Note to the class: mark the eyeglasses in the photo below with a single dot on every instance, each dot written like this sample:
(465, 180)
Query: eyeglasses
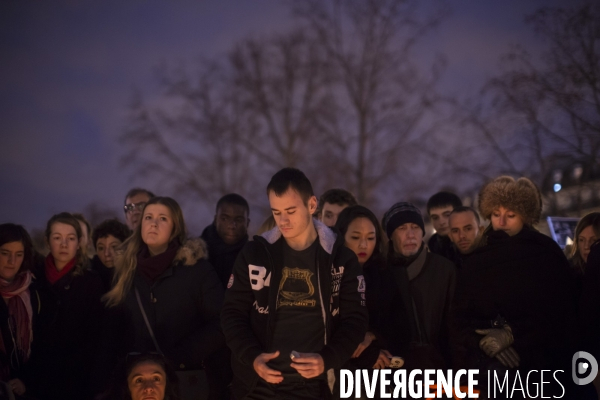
(134, 206)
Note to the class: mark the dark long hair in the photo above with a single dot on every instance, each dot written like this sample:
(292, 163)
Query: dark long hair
(16, 233)
(119, 388)
(349, 214)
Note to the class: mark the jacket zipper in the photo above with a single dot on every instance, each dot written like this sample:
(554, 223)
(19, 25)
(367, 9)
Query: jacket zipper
(323, 313)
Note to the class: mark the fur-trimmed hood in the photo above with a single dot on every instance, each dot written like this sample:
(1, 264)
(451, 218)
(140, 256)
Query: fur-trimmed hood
(521, 196)
(326, 236)
(188, 254)
(191, 251)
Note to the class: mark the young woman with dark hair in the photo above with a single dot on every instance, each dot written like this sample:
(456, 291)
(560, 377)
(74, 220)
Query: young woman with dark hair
(166, 296)
(107, 239)
(362, 234)
(19, 309)
(70, 315)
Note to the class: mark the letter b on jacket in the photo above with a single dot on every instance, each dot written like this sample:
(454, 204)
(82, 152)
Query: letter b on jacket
(257, 277)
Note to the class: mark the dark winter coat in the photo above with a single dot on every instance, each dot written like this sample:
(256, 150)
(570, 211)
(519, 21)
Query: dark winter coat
(182, 307)
(414, 323)
(105, 273)
(17, 369)
(443, 246)
(378, 296)
(66, 336)
(248, 318)
(589, 311)
(524, 279)
(220, 254)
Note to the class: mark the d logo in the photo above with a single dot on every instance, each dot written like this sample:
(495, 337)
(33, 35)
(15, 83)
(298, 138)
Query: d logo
(584, 363)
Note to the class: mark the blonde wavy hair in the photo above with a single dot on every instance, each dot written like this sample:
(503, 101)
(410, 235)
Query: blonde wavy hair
(81, 260)
(126, 261)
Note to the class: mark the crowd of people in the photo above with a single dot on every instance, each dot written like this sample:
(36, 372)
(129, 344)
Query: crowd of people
(323, 286)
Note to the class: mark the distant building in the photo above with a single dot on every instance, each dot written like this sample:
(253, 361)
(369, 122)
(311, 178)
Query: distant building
(572, 189)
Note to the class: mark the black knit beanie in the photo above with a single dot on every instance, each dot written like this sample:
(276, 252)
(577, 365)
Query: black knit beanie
(400, 214)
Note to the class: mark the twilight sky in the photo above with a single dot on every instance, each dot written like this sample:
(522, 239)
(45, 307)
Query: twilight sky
(69, 69)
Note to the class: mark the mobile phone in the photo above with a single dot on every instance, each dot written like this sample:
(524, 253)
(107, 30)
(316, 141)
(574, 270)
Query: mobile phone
(294, 354)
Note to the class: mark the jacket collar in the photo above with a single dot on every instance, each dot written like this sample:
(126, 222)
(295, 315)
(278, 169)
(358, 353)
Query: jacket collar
(326, 236)
(191, 251)
(217, 246)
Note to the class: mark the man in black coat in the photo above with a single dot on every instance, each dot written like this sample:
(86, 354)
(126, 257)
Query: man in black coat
(294, 309)
(465, 233)
(228, 234)
(422, 285)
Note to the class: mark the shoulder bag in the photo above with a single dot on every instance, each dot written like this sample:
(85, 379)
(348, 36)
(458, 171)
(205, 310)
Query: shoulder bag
(193, 384)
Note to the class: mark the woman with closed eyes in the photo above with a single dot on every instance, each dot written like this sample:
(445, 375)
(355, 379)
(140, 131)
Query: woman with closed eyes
(514, 302)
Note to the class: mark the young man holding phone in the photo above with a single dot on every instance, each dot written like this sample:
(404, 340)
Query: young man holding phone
(295, 291)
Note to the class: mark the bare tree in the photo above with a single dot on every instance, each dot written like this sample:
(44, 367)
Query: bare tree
(339, 97)
(96, 213)
(384, 100)
(236, 123)
(540, 112)
(190, 141)
(283, 85)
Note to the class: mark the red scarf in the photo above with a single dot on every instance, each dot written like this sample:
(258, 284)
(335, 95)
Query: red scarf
(151, 267)
(53, 274)
(19, 312)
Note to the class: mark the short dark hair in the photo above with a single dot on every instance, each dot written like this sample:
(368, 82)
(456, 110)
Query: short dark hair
(443, 199)
(16, 233)
(291, 178)
(112, 227)
(119, 389)
(136, 191)
(349, 214)
(462, 209)
(81, 218)
(337, 196)
(233, 198)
